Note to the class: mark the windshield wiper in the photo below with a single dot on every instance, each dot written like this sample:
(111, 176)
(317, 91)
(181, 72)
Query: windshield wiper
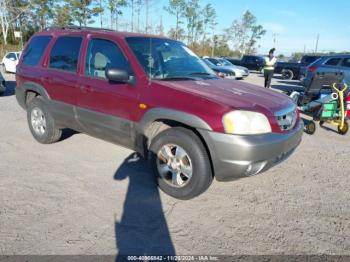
(200, 73)
(207, 75)
(178, 78)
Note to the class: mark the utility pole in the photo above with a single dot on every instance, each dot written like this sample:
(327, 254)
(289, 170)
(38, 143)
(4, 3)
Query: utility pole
(304, 49)
(317, 39)
(132, 15)
(101, 12)
(147, 13)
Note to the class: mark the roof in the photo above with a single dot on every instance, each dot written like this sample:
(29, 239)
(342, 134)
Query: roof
(104, 30)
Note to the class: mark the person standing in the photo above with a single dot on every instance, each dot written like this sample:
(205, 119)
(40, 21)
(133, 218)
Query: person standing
(269, 67)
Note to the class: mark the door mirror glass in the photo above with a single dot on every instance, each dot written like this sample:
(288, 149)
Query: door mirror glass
(117, 75)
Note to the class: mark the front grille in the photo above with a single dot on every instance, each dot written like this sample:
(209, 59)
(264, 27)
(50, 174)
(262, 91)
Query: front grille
(287, 118)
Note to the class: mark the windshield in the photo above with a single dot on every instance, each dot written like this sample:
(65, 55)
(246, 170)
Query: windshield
(224, 62)
(164, 59)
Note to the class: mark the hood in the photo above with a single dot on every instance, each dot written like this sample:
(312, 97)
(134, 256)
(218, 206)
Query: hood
(234, 94)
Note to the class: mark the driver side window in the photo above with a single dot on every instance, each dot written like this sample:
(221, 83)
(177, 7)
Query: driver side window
(103, 54)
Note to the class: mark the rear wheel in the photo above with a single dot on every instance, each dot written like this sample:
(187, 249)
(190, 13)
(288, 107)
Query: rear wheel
(41, 123)
(181, 163)
(287, 74)
(344, 129)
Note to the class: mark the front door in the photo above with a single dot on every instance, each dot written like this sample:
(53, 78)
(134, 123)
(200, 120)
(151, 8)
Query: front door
(107, 109)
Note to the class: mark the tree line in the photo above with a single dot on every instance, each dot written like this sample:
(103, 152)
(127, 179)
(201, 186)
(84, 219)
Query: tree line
(195, 24)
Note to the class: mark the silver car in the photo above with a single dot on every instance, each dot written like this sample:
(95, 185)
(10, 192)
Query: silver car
(239, 70)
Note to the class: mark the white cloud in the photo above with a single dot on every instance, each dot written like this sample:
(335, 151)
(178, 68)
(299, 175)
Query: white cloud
(274, 27)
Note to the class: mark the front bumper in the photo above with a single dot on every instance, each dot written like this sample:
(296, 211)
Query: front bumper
(235, 156)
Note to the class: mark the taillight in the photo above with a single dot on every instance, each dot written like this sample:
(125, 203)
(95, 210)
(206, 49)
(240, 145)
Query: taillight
(312, 69)
(347, 105)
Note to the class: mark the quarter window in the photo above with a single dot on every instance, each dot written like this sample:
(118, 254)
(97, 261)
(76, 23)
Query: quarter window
(65, 53)
(103, 54)
(333, 61)
(35, 49)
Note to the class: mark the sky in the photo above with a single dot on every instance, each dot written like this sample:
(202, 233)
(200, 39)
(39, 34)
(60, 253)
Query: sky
(295, 23)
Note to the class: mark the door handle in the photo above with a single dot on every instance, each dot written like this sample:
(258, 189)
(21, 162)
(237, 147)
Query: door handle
(47, 80)
(321, 75)
(86, 89)
(50, 80)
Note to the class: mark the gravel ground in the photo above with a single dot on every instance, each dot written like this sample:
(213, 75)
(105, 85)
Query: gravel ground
(87, 196)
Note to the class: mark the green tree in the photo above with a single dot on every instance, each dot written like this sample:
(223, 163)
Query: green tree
(209, 19)
(83, 11)
(62, 16)
(245, 32)
(192, 15)
(114, 7)
(176, 8)
(42, 12)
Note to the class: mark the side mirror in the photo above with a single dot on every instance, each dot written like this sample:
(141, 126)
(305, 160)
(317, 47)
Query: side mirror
(117, 75)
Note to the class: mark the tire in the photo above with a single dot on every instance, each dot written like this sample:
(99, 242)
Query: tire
(37, 114)
(165, 146)
(287, 74)
(344, 130)
(310, 128)
(2, 87)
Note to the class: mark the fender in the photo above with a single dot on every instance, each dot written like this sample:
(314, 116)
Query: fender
(29, 86)
(169, 114)
(37, 88)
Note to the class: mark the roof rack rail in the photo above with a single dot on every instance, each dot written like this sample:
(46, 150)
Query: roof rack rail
(77, 28)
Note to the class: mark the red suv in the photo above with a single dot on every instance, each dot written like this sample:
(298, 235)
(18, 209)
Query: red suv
(155, 96)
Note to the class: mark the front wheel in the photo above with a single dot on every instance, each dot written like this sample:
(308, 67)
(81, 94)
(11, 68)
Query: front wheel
(181, 163)
(310, 128)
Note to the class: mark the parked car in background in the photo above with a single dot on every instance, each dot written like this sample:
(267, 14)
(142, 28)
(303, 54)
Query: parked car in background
(252, 62)
(325, 71)
(10, 61)
(155, 96)
(2, 84)
(223, 72)
(225, 63)
(297, 70)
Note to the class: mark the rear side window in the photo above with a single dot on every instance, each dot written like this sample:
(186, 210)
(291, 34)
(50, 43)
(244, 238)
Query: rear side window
(309, 59)
(65, 53)
(333, 61)
(346, 62)
(104, 54)
(35, 50)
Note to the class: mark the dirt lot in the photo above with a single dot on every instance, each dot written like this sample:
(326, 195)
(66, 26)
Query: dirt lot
(87, 196)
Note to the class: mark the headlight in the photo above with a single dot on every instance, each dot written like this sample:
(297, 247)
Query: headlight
(246, 123)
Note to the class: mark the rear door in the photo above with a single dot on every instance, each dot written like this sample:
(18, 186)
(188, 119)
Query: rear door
(344, 70)
(61, 75)
(327, 74)
(107, 109)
